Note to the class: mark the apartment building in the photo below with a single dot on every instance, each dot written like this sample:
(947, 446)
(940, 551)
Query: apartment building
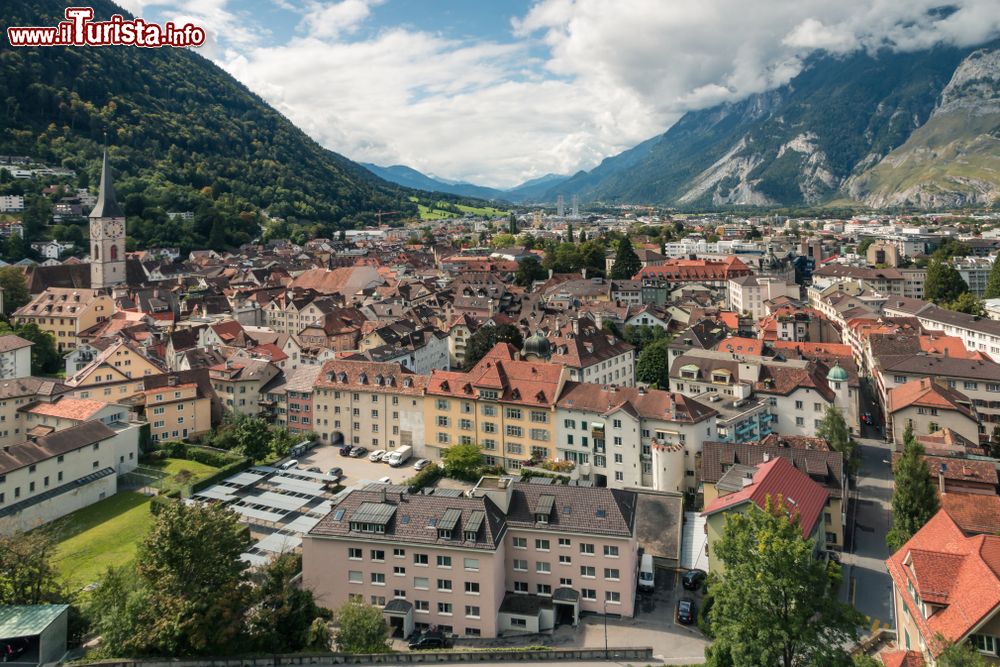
(238, 383)
(291, 312)
(624, 437)
(178, 406)
(15, 357)
(111, 373)
(503, 403)
(907, 283)
(978, 334)
(14, 395)
(65, 411)
(748, 294)
(379, 406)
(589, 353)
(509, 557)
(975, 271)
(65, 313)
(291, 396)
(49, 476)
(927, 407)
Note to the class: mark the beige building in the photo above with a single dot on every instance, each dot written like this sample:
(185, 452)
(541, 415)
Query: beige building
(375, 405)
(238, 384)
(509, 558)
(15, 357)
(928, 407)
(65, 313)
(15, 395)
(178, 406)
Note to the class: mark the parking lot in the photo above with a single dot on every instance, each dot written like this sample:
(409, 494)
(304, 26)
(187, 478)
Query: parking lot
(355, 470)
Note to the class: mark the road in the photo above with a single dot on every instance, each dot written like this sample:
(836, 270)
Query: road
(870, 586)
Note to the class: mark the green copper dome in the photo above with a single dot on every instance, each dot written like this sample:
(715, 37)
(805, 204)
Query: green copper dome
(837, 374)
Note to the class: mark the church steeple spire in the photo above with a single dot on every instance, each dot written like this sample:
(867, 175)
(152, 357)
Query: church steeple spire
(107, 205)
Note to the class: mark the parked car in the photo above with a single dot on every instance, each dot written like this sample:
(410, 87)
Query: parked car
(377, 455)
(428, 640)
(13, 649)
(335, 472)
(288, 465)
(384, 480)
(686, 611)
(346, 450)
(358, 452)
(693, 579)
(314, 469)
(421, 464)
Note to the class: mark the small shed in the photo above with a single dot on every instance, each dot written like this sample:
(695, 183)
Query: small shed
(33, 634)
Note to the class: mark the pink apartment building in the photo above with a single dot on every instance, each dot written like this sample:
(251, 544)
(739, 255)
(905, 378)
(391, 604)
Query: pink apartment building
(508, 557)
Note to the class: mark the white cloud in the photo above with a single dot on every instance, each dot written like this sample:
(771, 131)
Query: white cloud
(611, 74)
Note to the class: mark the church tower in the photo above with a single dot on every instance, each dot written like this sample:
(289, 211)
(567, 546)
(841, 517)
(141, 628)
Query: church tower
(107, 235)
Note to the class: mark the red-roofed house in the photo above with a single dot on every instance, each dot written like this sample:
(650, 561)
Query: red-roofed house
(742, 487)
(946, 588)
(929, 407)
(709, 272)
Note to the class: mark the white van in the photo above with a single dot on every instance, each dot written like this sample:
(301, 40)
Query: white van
(647, 578)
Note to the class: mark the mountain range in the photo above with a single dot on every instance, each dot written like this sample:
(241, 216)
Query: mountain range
(411, 178)
(918, 129)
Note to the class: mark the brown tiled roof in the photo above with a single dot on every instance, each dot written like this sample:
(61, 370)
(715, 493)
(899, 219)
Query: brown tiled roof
(648, 403)
(924, 392)
(45, 447)
(594, 510)
(415, 517)
(31, 386)
(825, 466)
(372, 376)
(523, 382)
(79, 409)
(975, 513)
(11, 342)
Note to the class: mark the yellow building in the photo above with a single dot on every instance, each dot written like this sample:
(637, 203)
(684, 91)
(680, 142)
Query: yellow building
(114, 374)
(177, 410)
(505, 405)
(66, 312)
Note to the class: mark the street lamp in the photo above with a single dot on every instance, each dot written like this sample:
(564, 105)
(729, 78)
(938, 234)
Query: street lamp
(605, 625)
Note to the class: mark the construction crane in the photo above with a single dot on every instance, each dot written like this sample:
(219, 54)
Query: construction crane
(381, 213)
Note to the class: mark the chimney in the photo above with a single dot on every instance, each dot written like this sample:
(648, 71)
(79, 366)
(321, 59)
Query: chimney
(172, 380)
(767, 456)
(583, 272)
(550, 274)
(941, 471)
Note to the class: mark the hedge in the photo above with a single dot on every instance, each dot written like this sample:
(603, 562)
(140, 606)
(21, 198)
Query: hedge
(425, 477)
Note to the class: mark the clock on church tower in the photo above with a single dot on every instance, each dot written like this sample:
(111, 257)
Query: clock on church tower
(107, 235)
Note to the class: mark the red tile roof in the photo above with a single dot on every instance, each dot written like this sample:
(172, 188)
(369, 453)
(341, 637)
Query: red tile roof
(80, 409)
(778, 478)
(960, 573)
(902, 659)
(973, 512)
(527, 383)
(740, 345)
(926, 393)
(696, 270)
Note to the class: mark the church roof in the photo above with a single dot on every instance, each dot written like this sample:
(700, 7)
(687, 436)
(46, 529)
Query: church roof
(107, 205)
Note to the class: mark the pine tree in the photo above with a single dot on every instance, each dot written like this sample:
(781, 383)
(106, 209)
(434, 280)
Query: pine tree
(834, 430)
(513, 224)
(915, 499)
(627, 263)
(993, 286)
(944, 283)
(569, 232)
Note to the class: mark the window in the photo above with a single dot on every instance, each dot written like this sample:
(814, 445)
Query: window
(539, 417)
(543, 567)
(444, 561)
(520, 543)
(444, 608)
(472, 587)
(565, 560)
(378, 578)
(544, 589)
(799, 421)
(378, 555)
(420, 559)
(564, 541)
(422, 606)
(471, 611)
(565, 581)
(612, 597)
(798, 405)
(519, 622)
(354, 554)
(520, 565)
(520, 586)
(442, 404)
(610, 551)
(588, 594)
(587, 549)
(539, 434)
(588, 571)
(354, 576)
(611, 574)
(399, 553)
(489, 411)
(514, 431)
(421, 583)
(569, 423)
(984, 643)
(399, 570)
(542, 545)
(489, 427)
(444, 584)
(513, 413)
(471, 564)
(617, 423)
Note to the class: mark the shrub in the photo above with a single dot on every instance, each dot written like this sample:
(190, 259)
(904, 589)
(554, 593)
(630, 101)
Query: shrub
(425, 477)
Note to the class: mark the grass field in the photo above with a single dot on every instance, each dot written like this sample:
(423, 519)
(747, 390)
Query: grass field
(181, 472)
(106, 533)
(434, 213)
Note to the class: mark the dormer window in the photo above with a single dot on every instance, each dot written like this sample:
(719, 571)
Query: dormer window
(444, 533)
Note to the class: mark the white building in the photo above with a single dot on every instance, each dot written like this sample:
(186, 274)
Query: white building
(975, 271)
(747, 294)
(11, 203)
(15, 357)
(50, 476)
(632, 437)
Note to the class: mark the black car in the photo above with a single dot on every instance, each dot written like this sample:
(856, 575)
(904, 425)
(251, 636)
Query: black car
(13, 649)
(346, 450)
(358, 452)
(335, 472)
(686, 611)
(428, 640)
(692, 580)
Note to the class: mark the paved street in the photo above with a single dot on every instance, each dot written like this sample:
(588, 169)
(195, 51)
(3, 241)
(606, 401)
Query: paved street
(869, 585)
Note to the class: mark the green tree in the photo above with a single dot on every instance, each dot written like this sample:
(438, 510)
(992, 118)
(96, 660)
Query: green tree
(14, 287)
(281, 613)
(952, 248)
(776, 603)
(995, 442)
(27, 575)
(319, 637)
(529, 270)
(834, 430)
(627, 263)
(864, 245)
(641, 335)
(251, 437)
(504, 240)
(993, 286)
(915, 497)
(569, 232)
(943, 283)
(960, 654)
(463, 461)
(583, 235)
(653, 366)
(967, 303)
(282, 440)
(486, 337)
(361, 628)
(512, 224)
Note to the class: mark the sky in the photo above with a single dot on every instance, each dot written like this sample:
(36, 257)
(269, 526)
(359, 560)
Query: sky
(496, 92)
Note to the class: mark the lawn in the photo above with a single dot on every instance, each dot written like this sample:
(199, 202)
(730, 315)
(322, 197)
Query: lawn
(181, 472)
(105, 533)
